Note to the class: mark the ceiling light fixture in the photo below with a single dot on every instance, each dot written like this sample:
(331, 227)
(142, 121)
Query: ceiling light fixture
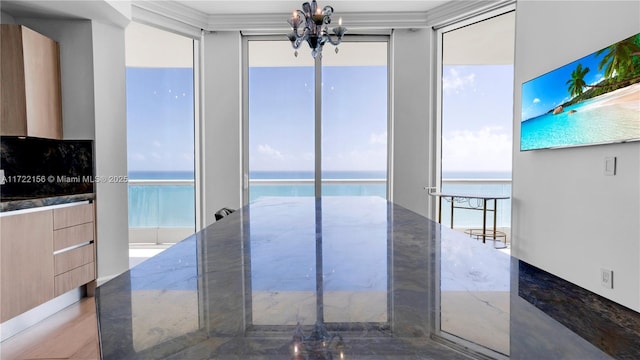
(314, 23)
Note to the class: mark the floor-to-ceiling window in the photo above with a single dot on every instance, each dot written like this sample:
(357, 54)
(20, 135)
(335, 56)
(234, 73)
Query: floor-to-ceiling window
(281, 93)
(160, 148)
(355, 119)
(283, 120)
(160, 135)
(476, 116)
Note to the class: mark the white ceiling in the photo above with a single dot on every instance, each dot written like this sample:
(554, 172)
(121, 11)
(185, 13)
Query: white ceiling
(226, 7)
(490, 42)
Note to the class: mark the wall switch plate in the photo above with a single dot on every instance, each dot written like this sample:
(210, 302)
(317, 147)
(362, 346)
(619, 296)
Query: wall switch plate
(610, 165)
(2, 179)
(606, 278)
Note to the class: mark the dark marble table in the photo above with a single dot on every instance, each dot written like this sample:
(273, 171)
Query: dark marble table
(362, 274)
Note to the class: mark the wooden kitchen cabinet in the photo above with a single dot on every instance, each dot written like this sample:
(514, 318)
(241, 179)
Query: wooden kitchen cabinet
(74, 247)
(26, 267)
(44, 254)
(30, 89)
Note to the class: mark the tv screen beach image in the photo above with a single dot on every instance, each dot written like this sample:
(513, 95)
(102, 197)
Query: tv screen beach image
(593, 100)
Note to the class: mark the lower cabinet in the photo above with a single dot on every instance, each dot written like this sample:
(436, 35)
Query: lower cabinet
(26, 263)
(44, 254)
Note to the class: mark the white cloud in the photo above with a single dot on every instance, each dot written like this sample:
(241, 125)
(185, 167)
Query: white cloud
(138, 157)
(156, 143)
(378, 139)
(536, 100)
(454, 81)
(271, 152)
(488, 149)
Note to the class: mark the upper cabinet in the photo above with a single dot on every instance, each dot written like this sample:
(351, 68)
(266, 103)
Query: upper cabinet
(31, 102)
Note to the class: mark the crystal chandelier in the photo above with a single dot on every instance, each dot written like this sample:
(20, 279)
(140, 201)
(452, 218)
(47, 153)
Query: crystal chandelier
(314, 24)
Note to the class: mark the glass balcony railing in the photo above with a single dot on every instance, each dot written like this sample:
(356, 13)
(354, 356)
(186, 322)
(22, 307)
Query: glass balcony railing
(161, 203)
(304, 187)
(170, 204)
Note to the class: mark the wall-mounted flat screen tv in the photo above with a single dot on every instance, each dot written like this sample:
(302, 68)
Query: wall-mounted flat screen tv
(593, 100)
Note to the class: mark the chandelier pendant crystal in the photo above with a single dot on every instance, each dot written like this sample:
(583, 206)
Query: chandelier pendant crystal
(311, 25)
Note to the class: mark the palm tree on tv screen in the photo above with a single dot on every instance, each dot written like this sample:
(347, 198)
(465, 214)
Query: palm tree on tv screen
(619, 59)
(577, 83)
(621, 63)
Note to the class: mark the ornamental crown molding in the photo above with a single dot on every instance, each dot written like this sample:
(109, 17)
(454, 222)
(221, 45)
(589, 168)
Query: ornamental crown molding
(171, 12)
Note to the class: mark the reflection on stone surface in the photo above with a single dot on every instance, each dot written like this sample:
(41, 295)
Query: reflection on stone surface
(379, 295)
(474, 288)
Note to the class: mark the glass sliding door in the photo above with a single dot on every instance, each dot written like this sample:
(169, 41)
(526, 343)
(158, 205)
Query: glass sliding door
(160, 135)
(281, 93)
(161, 152)
(355, 119)
(476, 117)
(283, 122)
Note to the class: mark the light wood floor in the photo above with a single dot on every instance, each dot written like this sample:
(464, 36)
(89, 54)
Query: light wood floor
(69, 334)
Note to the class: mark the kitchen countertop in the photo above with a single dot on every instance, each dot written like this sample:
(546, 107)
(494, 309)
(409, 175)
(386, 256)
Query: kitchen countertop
(12, 204)
(380, 281)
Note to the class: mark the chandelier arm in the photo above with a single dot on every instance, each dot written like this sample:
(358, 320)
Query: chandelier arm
(302, 38)
(297, 33)
(327, 10)
(335, 42)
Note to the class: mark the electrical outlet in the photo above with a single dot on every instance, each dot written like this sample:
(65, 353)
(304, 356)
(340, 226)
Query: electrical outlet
(606, 278)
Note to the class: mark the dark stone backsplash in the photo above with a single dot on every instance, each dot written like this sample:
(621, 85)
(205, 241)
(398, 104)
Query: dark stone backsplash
(37, 168)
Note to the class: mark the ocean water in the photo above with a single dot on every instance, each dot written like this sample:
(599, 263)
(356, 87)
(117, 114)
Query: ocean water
(152, 206)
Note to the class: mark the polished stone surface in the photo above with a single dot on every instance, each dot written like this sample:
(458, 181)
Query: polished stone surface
(237, 289)
(388, 282)
(593, 327)
(37, 168)
(28, 203)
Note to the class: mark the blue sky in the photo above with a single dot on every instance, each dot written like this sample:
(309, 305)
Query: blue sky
(477, 115)
(281, 118)
(477, 118)
(547, 91)
(160, 126)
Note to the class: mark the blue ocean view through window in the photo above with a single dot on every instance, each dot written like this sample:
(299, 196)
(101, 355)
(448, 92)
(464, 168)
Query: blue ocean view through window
(167, 198)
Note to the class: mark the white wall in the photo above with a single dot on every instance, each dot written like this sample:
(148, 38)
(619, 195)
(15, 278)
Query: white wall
(222, 123)
(412, 61)
(110, 154)
(568, 217)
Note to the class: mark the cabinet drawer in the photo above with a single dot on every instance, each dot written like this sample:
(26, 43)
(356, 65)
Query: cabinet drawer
(72, 259)
(74, 278)
(71, 236)
(72, 215)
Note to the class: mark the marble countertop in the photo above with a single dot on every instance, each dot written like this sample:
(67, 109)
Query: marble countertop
(378, 280)
(10, 204)
(238, 289)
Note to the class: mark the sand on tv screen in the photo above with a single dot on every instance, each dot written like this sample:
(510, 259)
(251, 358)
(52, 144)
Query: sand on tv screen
(593, 100)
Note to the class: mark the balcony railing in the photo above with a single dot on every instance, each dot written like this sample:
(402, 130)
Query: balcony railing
(164, 210)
